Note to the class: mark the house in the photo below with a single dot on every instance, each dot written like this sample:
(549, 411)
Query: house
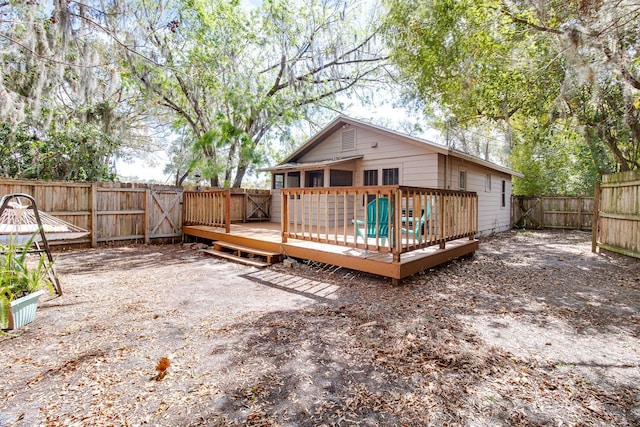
(366, 198)
(349, 152)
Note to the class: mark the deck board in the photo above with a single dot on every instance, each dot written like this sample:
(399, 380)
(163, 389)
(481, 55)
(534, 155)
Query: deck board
(267, 236)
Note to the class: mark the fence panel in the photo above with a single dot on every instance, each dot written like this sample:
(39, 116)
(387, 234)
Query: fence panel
(618, 213)
(562, 212)
(110, 211)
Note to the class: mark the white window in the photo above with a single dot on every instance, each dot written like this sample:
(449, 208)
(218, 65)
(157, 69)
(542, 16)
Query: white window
(463, 180)
(278, 180)
(340, 178)
(390, 176)
(370, 177)
(487, 183)
(314, 178)
(293, 179)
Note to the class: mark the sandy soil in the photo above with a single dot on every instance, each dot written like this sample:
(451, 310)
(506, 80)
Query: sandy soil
(532, 330)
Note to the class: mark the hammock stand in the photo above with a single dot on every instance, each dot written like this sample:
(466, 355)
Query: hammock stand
(23, 223)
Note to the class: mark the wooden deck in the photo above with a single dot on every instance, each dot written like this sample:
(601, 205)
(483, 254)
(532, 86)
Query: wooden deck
(267, 236)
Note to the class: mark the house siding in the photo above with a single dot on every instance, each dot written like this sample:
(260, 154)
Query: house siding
(371, 144)
(419, 165)
(276, 206)
(492, 217)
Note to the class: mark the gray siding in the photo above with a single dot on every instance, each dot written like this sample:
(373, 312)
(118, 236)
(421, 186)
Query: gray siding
(419, 165)
(492, 216)
(371, 144)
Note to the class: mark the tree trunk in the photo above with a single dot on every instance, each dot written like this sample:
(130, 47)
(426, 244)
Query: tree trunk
(241, 171)
(181, 179)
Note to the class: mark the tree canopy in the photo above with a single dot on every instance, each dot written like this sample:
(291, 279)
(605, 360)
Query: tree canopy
(64, 112)
(562, 76)
(232, 75)
(84, 81)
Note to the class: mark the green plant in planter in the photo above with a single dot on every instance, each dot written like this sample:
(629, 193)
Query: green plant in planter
(19, 277)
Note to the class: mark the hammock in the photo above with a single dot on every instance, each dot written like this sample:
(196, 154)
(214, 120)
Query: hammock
(19, 223)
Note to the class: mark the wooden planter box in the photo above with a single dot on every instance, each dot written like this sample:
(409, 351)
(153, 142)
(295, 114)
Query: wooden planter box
(20, 312)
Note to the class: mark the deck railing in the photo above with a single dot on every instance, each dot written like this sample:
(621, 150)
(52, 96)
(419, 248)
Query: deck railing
(344, 216)
(212, 208)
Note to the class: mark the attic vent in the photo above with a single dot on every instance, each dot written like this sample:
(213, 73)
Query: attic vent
(349, 140)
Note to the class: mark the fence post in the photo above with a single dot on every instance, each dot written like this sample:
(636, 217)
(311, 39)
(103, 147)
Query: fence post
(94, 214)
(579, 213)
(147, 216)
(596, 214)
(245, 207)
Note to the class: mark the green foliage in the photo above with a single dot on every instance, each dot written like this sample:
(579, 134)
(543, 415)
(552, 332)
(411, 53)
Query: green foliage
(556, 159)
(64, 112)
(465, 57)
(559, 74)
(232, 75)
(17, 277)
(68, 154)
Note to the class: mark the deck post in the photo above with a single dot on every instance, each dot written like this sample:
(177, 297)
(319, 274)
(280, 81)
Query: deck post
(397, 230)
(443, 198)
(284, 217)
(474, 216)
(227, 211)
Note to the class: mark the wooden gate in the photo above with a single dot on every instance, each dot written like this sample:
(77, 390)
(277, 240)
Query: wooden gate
(250, 205)
(165, 214)
(258, 206)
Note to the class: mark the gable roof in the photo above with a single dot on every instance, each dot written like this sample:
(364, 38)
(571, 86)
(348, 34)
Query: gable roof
(341, 121)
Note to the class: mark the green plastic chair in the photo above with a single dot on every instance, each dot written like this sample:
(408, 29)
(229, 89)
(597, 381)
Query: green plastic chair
(418, 227)
(379, 209)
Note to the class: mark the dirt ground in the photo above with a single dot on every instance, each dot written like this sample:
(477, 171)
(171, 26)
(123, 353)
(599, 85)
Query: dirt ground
(532, 330)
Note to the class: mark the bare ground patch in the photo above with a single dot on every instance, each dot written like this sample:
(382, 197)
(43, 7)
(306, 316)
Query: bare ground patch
(532, 330)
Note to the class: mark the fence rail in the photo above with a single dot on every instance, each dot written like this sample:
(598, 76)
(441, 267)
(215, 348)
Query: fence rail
(561, 212)
(366, 217)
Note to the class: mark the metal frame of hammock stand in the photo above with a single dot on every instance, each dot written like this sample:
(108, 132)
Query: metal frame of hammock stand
(43, 238)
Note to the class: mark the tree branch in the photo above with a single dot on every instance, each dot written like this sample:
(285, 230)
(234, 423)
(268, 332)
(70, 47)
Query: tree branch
(518, 20)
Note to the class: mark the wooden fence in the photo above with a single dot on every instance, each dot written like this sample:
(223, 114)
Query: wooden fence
(561, 212)
(110, 211)
(124, 212)
(617, 214)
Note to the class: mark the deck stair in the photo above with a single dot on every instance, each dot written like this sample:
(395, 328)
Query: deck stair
(244, 254)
